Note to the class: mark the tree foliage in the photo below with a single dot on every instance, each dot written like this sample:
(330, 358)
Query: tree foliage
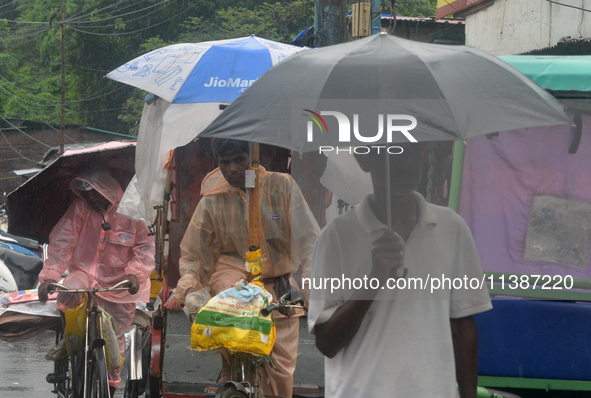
(101, 35)
(407, 8)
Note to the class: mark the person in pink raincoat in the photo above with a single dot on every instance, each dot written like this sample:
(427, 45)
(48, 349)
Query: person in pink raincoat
(100, 248)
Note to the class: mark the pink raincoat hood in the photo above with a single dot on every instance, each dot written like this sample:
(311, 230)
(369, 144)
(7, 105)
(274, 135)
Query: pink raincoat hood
(102, 182)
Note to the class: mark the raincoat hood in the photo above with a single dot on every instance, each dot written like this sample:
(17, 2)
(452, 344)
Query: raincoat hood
(214, 183)
(102, 182)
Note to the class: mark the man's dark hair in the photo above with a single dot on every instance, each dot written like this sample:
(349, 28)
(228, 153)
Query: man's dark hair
(227, 147)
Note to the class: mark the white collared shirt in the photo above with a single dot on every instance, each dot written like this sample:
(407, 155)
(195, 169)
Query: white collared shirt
(403, 347)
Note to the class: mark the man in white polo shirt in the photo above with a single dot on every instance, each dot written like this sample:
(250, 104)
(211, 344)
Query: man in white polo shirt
(408, 336)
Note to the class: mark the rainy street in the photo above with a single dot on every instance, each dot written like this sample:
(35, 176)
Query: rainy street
(23, 368)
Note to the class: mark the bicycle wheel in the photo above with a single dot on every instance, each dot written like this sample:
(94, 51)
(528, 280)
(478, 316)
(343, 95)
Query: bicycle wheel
(231, 392)
(132, 389)
(77, 375)
(97, 383)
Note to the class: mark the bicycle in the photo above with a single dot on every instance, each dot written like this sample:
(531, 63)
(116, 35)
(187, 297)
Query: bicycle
(243, 381)
(84, 374)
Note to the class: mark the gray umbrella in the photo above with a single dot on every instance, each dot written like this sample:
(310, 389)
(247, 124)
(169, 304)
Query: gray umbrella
(453, 92)
(338, 96)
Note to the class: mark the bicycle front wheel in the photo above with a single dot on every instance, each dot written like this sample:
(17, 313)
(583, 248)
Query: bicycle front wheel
(231, 392)
(97, 384)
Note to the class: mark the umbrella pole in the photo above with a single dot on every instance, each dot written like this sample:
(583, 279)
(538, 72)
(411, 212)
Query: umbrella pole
(388, 195)
(254, 206)
(455, 186)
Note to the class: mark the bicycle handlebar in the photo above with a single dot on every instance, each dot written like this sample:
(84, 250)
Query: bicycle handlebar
(62, 288)
(270, 308)
(284, 302)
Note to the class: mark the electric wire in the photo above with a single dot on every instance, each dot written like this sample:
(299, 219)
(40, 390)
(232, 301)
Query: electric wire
(57, 102)
(22, 132)
(124, 22)
(93, 98)
(436, 32)
(23, 22)
(30, 102)
(26, 92)
(128, 13)
(36, 115)
(36, 32)
(138, 30)
(568, 5)
(76, 17)
(14, 149)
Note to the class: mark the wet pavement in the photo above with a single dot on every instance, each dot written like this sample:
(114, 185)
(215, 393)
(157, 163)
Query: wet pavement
(23, 368)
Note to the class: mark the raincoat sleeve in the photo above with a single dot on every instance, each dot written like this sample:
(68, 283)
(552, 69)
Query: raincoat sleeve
(197, 261)
(62, 241)
(142, 263)
(304, 231)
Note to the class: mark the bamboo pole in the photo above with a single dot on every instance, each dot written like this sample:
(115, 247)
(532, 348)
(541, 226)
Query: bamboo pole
(63, 87)
(254, 202)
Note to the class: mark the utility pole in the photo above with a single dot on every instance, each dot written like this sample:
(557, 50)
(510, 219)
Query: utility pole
(63, 116)
(330, 25)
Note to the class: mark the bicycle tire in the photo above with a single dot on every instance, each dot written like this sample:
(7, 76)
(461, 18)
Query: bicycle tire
(98, 384)
(132, 389)
(77, 375)
(231, 392)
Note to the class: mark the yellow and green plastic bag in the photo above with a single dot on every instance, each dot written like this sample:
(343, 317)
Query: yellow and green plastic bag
(233, 319)
(75, 334)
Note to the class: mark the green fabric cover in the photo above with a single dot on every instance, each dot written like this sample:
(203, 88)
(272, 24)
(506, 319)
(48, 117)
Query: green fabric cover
(557, 73)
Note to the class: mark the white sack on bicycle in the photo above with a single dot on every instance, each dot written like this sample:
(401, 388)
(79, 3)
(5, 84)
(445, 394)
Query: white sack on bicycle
(108, 333)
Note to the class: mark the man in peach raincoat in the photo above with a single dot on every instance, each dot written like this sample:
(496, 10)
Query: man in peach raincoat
(100, 248)
(216, 242)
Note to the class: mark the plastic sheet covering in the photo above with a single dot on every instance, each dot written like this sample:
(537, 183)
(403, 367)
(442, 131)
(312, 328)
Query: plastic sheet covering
(22, 316)
(27, 302)
(527, 199)
(25, 268)
(163, 127)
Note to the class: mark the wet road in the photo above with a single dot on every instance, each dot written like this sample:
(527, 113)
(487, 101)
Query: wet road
(23, 368)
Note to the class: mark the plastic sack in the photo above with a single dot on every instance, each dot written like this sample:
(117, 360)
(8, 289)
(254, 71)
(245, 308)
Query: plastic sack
(75, 331)
(232, 320)
(75, 334)
(254, 266)
(108, 333)
(194, 301)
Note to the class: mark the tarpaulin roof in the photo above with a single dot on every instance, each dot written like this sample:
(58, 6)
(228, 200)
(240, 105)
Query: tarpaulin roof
(556, 73)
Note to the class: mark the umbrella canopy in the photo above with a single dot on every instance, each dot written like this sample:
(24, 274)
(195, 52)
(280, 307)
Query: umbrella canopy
(212, 71)
(36, 206)
(196, 82)
(452, 92)
(337, 96)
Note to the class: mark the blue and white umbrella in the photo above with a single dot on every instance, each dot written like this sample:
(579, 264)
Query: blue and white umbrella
(191, 80)
(213, 71)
